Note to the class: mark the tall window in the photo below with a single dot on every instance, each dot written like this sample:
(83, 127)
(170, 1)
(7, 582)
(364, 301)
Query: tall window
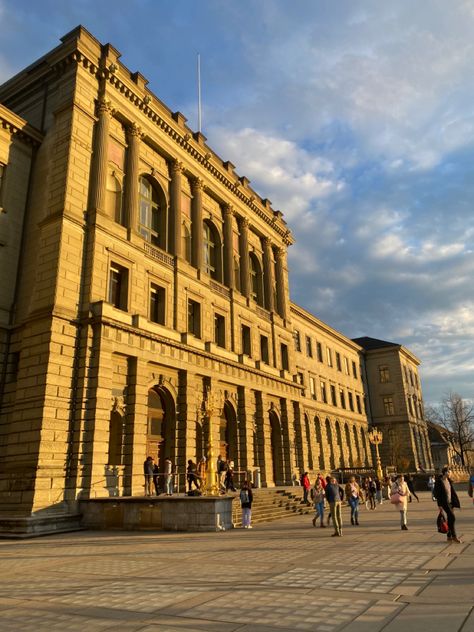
(186, 235)
(309, 347)
(384, 374)
(246, 341)
(324, 395)
(285, 365)
(312, 387)
(157, 304)
(211, 251)
(297, 338)
(333, 395)
(410, 405)
(359, 407)
(388, 406)
(152, 218)
(354, 369)
(319, 351)
(113, 200)
(194, 318)
(329, 356)
(264, 349)
(300, 379)
(118, 286)
(342, 398)
(346, 365)
(351, 400)
(237, 273)
(219, 330)
(338, 361)
(256, 279)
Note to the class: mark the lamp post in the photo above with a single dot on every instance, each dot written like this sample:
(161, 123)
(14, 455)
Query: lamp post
(375, 438)
(211, 488)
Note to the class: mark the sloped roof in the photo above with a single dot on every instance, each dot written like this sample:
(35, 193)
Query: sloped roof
(373, 343)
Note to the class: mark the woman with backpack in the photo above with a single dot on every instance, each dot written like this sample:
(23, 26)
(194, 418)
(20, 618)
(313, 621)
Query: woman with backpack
(246, 499)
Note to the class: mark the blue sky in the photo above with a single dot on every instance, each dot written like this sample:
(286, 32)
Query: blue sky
(355, 118)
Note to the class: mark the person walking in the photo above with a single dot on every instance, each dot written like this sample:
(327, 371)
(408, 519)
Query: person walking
(229, 478)
(318, 500)
(168, 476)
(246, 499)
(148, 472)
(306, 487)
(371, 492)
(335, 495)
(431, 485)
(399, 497)
(378, 492)
(353, 496)
(222, 468)
(411, 487)
(191, 475)
(470, 489)
(447, 500)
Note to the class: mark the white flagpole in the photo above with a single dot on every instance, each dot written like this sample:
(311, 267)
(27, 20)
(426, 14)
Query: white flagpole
(199, 92)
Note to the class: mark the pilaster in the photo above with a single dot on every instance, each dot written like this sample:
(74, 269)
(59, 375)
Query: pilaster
(228, 246)
(99, 172)
(176, 169)
(196, 223)
(134, 134)
(268, 277)
(244, 256)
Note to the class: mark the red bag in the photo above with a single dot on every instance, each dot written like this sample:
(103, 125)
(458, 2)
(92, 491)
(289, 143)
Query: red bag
(442, 523)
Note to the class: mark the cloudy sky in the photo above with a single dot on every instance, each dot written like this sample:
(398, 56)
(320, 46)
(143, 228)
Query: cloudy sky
(355, 118)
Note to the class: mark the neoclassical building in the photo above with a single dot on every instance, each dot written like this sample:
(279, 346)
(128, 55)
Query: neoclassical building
(140, 275)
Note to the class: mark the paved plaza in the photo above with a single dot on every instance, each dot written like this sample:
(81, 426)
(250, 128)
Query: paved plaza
(280, 576)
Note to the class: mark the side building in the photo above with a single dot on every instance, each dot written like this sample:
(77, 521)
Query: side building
(145, 280)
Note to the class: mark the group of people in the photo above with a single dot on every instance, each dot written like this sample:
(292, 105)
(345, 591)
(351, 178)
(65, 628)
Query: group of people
(153, 475)
(196, 474)
(400, 490)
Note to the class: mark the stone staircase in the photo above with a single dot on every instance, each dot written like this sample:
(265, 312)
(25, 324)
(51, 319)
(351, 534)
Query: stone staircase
(272, 504)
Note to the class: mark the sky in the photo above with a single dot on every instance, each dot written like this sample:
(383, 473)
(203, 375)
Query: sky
(355, 118)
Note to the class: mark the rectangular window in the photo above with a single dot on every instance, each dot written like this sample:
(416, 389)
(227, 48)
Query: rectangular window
(324, 395)
(354, 369)
(194, 318)
(359, 408)
(319, 351)
(342, 398)
(351, 401)
(219, 330)
(346, 365)
(333, 395)
(297, 337)
(312, 387)
(118, 286)
(411, 377)
(285, 365)
(384, 374)
(329, 356)
(388, 405)
(410, 406)
(300, 379)
(264, 349)
(309, 347)
(246, 341)
(338, 361)
(157, 304)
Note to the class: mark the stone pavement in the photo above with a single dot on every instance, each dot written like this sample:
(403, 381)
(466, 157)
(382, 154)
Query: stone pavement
(278, 577)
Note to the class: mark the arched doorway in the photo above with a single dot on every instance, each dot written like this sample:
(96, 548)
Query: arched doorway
(228, 448)
(309, 443)
(319, 441)
(276, 446)
(350, 459)
(161, 426)
(332, 464)
(342, 460)
(358, 462)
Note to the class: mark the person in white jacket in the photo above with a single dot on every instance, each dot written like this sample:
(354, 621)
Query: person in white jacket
(399, 497)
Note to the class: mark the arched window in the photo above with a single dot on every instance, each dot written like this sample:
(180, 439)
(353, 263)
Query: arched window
(256, 279)
(113, 200)
(212, 251)
(186, 235)
(152, 215)
(237, 273)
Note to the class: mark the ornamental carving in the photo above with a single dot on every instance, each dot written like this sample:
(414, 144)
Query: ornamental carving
(118, 405)
(197, 184)
(176, 167)
(104, 106)
(135, 131)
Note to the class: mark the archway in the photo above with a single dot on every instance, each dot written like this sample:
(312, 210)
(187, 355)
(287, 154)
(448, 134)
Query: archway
(332, 463)
(276, 448)
(161, 426)
(350, 459)
(309, 442)
(319, 441)
(363, 449)
(358, 462)
(228, 448)
(342, 456)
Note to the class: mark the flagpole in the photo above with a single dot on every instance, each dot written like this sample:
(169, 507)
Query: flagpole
(199, 92)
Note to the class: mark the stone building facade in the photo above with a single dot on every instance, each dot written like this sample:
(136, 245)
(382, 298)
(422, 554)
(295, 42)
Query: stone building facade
(143, 274)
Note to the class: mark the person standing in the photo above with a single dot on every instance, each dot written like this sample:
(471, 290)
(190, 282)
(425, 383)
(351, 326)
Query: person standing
(411, 487)
(353, 496)
(399, 497)
(447, 500)
(431, 485)
(378, 493)
(306, 487)
(371, 492)
(201, 471)
(229, 478)
(470, 489)
(221, 472)
(318, 500)
(148, 472)
(246, 499)
(335, 495)
(191, 475)
(168, 476)
(156, 477)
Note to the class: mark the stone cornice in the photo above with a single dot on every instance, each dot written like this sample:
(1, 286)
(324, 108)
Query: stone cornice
(19, 127)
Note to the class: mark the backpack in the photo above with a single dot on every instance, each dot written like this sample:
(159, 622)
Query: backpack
(244, 496)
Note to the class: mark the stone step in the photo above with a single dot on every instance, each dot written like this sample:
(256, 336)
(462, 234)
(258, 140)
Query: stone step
(272, 504)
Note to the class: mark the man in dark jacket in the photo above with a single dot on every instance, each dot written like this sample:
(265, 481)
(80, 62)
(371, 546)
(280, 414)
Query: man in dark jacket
(447, 499)
(334, 496)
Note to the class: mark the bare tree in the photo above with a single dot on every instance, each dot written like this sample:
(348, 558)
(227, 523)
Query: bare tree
(456, 416)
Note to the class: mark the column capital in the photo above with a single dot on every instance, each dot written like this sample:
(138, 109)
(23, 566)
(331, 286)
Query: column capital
(197, 184)
(227, 209)
(135, 131)
(280, 252)
(267, 242)
(176, 167)
(244, 222)
(104, 106)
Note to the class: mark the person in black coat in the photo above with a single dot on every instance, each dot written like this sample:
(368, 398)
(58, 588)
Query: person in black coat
(447, 500)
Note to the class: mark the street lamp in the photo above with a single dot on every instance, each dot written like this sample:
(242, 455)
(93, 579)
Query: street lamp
(375, 438)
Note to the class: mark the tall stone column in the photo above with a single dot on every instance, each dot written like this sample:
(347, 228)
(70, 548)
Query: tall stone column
(135, 441)
(99, 174)
(196, 223)
(228, 247)
(244, 256)
(134, 135)
(268, 279)
(176, 169)
(280, 265)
